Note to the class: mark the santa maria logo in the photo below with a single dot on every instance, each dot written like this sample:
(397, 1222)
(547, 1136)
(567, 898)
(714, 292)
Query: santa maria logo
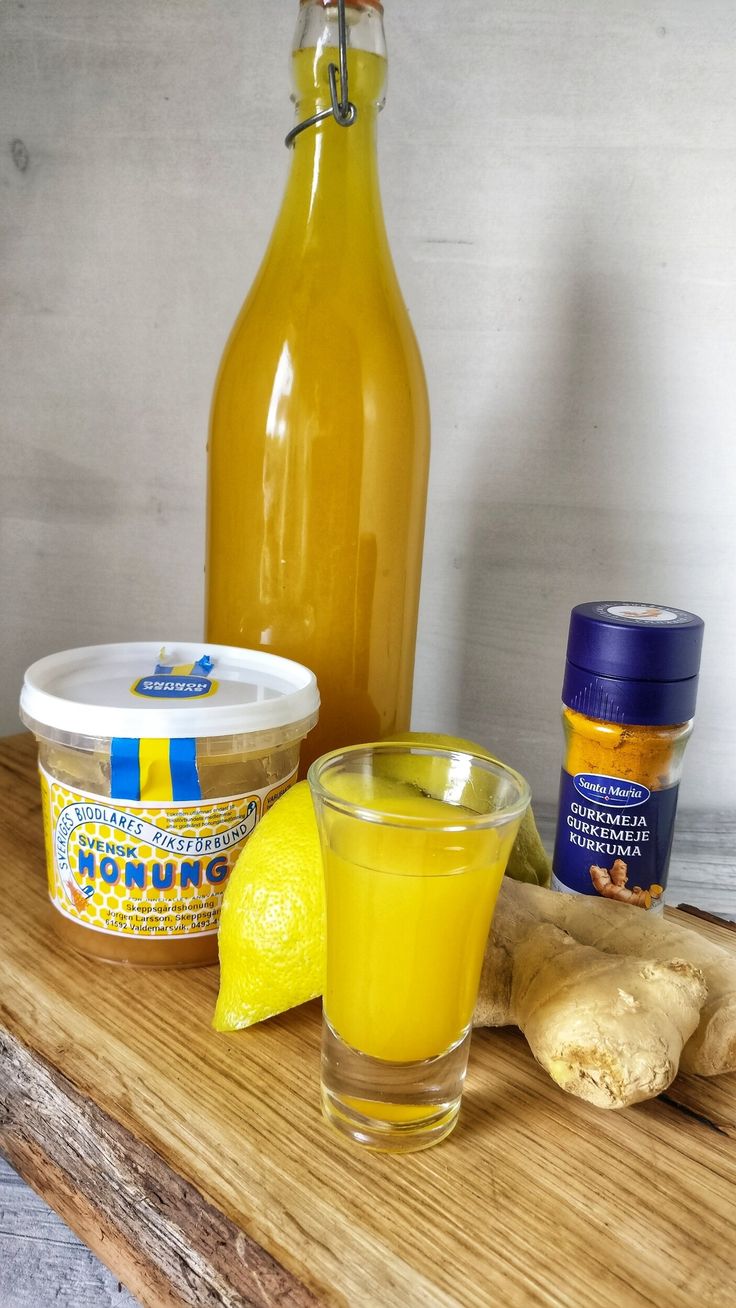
(614, 792)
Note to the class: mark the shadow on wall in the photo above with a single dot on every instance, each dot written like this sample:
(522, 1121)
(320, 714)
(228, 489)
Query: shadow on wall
(561, 507)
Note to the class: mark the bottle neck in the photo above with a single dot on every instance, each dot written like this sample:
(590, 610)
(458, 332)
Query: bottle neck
(318, 26)
(333, 183)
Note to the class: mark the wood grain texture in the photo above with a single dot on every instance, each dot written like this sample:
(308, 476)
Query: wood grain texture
(188, 1159)
(43, 1260)
(170, 1245)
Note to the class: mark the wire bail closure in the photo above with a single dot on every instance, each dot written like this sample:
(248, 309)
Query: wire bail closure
(341, 109)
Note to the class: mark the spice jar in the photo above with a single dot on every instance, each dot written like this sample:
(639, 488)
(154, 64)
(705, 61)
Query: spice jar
(155, 766)
(628, 696)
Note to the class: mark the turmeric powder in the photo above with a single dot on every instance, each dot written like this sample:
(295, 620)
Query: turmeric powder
(628, 701)
(635, 752)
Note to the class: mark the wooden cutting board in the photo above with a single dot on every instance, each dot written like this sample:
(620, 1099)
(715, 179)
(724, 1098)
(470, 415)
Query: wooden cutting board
(198, 1167)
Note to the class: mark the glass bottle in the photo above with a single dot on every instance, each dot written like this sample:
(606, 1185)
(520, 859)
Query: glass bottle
(319, 437)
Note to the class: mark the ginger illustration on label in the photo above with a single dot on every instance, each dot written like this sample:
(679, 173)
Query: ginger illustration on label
(614, 837)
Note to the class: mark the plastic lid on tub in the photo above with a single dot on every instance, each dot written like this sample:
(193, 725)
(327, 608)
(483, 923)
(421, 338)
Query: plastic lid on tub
(146, 690)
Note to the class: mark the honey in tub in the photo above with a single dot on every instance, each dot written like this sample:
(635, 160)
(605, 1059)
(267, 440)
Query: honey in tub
(156, 764)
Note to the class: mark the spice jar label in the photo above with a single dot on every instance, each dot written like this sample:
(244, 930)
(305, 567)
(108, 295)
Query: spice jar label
(148, 869)
(613, 838)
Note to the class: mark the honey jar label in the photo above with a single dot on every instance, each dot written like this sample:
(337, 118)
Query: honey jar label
(613, 839)
(150, 869)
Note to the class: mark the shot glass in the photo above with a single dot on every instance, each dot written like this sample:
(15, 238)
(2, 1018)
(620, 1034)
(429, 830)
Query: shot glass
(415, 843)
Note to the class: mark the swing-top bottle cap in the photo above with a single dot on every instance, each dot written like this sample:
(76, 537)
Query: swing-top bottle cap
(629, 661)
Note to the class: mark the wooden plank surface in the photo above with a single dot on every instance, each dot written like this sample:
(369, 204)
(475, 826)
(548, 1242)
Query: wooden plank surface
(198, 1167)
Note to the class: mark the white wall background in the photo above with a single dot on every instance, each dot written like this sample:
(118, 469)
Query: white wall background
(560, 187)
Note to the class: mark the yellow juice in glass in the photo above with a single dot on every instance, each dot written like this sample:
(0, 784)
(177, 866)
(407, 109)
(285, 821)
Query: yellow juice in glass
(415, 841)
(408, 914)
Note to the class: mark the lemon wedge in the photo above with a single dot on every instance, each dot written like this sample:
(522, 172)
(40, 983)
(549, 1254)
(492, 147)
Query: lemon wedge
(272, 933)
(528, 860)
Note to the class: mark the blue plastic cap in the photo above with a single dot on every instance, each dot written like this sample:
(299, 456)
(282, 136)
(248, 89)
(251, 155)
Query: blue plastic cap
(633, 662)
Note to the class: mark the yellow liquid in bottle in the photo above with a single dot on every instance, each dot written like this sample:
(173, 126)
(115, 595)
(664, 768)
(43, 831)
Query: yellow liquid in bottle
(319, 441)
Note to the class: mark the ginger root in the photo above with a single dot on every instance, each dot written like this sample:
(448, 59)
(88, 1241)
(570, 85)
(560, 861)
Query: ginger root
(616, 929)
(607, 1029)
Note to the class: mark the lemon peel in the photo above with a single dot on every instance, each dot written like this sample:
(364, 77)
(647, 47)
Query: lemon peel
(528, 860)
(272, 933)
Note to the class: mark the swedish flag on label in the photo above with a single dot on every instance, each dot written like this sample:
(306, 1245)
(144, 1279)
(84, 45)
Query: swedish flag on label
(203, 666)
(160, 770)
